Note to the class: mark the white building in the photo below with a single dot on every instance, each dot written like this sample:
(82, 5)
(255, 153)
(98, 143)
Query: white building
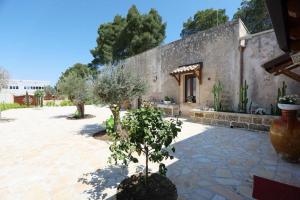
(20, 87)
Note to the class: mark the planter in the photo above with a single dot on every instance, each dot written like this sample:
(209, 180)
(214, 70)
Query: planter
(159, 188)
(285, 133)
(288, 106)
(167, 102)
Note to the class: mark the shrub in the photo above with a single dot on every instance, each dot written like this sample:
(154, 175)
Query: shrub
(50, 103)
(66, 103)
(7, 106)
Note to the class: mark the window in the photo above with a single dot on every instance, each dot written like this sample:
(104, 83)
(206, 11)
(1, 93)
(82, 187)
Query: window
(190, 88)
(17, 87)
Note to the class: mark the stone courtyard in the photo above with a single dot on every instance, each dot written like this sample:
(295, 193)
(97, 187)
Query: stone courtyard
(45, 156)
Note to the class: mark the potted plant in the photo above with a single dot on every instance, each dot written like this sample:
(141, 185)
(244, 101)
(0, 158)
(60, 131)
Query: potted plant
(150, 135)
(167, 100)
(190, 99)
(285, 132)
(288, 102)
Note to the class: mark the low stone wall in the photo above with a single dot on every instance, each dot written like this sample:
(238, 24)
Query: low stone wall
(235, 120)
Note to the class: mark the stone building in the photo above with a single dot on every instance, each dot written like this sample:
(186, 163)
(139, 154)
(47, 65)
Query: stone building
(226, 53)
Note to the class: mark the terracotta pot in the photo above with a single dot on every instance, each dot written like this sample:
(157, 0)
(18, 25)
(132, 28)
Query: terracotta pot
(285, 135)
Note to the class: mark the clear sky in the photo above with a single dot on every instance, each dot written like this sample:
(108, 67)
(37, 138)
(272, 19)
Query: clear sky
(39, 39)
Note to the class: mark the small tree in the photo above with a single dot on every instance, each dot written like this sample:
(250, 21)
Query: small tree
(77, 89)
(114, 86)
(39, 96)
(149, 134)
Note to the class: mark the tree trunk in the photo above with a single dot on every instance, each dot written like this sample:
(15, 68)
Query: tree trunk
(147, 157)
(139, 102)
(115, 109)
(80, 109)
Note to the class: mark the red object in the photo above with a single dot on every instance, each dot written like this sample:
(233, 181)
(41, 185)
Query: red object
(265, 189)
(22, 100)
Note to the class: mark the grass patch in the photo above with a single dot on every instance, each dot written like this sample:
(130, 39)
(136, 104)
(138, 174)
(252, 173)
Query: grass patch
(7, 106)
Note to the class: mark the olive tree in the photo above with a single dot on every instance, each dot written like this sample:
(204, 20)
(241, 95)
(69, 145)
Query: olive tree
(115, 85)
(147, 133)
(76, 88)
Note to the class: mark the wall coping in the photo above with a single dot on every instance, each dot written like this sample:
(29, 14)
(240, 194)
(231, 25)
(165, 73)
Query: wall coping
(236, 113)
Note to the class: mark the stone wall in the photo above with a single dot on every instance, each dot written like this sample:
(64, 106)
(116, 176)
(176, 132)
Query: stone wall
(218, 49)
(263, 86)
(235, 120)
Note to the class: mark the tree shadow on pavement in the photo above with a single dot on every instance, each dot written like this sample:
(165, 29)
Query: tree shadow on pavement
(102, 180)
(90, 129)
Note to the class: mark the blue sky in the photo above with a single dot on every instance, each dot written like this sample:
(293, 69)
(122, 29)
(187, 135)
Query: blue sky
(39, 39)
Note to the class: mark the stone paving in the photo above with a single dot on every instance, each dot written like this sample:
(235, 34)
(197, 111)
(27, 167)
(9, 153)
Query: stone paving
(45, 156)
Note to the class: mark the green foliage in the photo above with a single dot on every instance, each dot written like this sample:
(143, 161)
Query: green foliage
(76, 83)
(281, 92)
(81, 70)
(39, 96)
(255, 15)
(50, 103)
(7, 106)
(203, 20)
(50, 91)
(128, 36)
(109, 125)
(243, 98)
(148, 133)
(114, 86)
(167, 98)
(217, 90)
(288, 99)
(66, 103)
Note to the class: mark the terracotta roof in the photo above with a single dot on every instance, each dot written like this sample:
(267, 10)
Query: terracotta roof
(186, 68)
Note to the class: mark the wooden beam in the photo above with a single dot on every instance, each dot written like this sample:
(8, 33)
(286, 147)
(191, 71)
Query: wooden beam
(289, 68)
(198, 74)
(178, 79)
(292, 75)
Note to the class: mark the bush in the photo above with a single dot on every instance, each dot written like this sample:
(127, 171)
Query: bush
(66, 103)
(50, 103)
(7, 106)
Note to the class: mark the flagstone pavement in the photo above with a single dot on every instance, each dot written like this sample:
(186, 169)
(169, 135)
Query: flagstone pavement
(45, 156)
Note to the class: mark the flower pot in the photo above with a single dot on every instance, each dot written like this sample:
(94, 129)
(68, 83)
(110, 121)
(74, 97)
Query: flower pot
(285, 133)
(288, 106)
(167, 102)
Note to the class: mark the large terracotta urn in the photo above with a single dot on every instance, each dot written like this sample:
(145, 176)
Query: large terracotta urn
(285, 133)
